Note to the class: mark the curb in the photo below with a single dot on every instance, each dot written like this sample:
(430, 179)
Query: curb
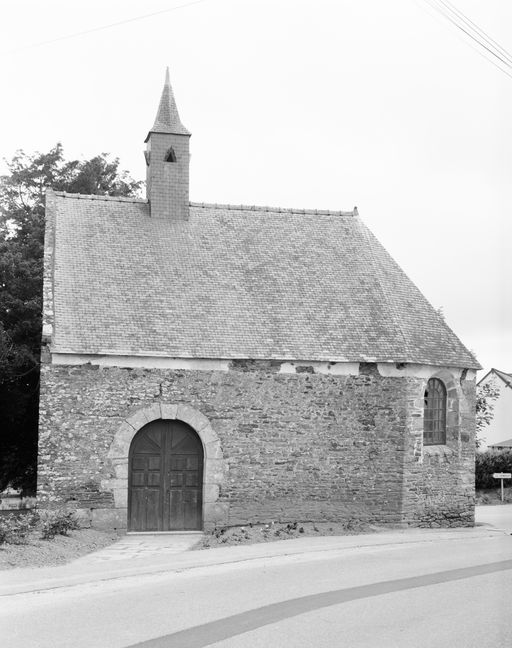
(188, 561)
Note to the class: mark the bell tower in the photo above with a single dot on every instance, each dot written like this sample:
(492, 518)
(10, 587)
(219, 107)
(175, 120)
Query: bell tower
(167, 161)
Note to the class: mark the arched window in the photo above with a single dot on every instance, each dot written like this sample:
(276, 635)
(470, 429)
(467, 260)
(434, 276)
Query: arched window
(434, 417)
(170, 156)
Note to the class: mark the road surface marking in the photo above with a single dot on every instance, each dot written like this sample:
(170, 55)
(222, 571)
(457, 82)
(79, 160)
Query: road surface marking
(208, 633)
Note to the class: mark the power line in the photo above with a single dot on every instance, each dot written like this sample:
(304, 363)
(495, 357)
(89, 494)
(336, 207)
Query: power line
(478, 51)
(461, 22)
(103, 27)
(434, 5)
(477, 29)
(479, 33)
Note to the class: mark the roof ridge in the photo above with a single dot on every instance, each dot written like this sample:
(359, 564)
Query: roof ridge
(78, 196)
(202, 205)
(284, 210)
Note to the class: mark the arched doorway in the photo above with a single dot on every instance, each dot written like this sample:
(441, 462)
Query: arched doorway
(165, 478)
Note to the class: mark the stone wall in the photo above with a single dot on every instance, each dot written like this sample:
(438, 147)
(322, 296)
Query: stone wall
(168, 182)
(299, 446)
(439, 480)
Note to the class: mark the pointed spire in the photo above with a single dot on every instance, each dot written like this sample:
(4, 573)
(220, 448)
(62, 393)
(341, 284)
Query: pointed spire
(167, 118)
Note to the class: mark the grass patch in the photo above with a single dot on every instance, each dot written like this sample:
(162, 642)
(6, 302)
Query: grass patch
(492, 496)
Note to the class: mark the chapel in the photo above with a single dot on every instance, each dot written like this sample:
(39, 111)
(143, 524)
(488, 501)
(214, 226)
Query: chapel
(208, 365)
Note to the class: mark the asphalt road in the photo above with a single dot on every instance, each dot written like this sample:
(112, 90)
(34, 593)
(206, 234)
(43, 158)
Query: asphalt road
(434, 593)
(498, 517)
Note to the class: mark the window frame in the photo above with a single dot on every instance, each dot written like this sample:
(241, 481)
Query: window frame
(434, 413)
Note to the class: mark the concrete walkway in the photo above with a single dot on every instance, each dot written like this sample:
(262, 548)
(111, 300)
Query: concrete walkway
(135, 546)
(139, 555)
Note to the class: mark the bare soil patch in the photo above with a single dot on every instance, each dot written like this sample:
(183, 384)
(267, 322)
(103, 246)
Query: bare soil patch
(58, 551)
(251, 534)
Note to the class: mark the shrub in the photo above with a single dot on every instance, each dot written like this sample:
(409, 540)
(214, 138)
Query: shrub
(489, 462)
(15, 528)
(58, 523)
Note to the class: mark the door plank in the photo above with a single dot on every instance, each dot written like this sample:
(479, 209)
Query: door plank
(166, 478)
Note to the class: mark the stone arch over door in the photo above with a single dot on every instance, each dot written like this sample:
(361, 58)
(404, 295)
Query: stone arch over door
(215, 513)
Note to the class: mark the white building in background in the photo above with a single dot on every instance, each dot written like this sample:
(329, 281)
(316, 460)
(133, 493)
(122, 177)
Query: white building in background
(498, 433)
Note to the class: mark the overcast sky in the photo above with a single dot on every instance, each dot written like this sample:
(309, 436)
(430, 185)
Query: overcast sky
(291, 103)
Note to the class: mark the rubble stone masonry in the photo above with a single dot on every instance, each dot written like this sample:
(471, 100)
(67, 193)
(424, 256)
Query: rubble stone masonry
(291, 446)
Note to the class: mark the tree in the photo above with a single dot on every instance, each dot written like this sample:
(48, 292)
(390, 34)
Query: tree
(22, 193)
(486, 394)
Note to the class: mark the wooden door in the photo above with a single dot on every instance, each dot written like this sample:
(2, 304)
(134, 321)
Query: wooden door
(165, 478)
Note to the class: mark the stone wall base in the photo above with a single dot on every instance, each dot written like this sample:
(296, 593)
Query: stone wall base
(442, 515)
(214, 516)
(222, 514)
(106, 519)
(285, 510)
(288, 511)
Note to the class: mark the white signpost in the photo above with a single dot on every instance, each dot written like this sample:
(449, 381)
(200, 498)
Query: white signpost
(502, 476)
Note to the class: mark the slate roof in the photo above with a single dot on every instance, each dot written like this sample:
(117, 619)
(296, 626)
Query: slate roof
(167, 118)
(235, 282)
(506, 377)
(502, 444)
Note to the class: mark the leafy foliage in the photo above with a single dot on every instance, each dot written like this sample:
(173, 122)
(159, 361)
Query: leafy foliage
(486, 394)
(488, 463)
(22, 193)
(58, 523)
(15, 528)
